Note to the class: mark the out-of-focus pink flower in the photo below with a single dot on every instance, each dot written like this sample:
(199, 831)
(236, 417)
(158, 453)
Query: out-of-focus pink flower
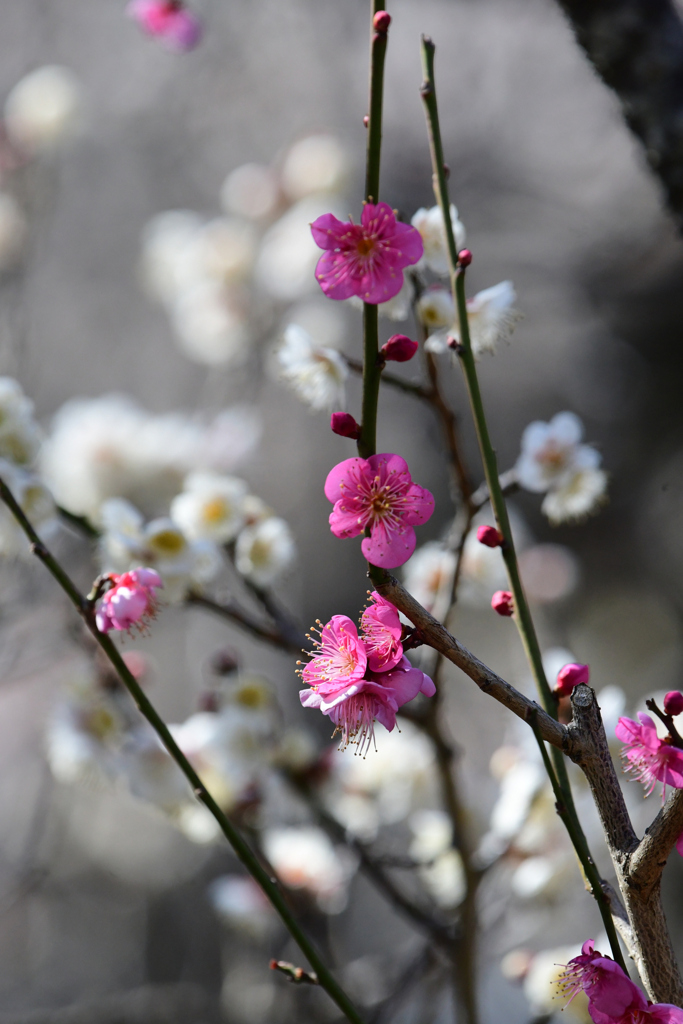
(378, 494)
(344, 424)
(130, 601)
(399, 349)
(489, 536)
(503, 603)
(382, 630)
(355, 709)
(610, 992)
(569, 677)
(648, 757)
(673, 702)
(340, 659)
(365, 259)
(168, 20)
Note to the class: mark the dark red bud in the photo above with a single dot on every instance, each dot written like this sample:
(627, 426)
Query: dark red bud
(464, 257)
(343, 423)
(381, 21)
(399, 349)
(502, 603)
(489, 536)
(673, 702)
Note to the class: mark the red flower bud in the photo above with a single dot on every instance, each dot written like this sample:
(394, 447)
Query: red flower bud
(366, 120)
(673, 702)
(381, 21)
(502, 603)
(399, 349)
(569, 677)
(489, 536)
(343, 423)
(464, 257)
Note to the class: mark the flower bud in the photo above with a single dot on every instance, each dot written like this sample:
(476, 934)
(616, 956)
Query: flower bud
(502, 603)
(673, 702)
(343, 423)
(381, 21)
(569, 677)
(489, 536)
(399, 349)
(464, 257)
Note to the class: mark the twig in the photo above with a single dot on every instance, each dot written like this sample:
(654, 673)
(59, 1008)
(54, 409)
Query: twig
(297, 975)
(232, 834)
(235, 614)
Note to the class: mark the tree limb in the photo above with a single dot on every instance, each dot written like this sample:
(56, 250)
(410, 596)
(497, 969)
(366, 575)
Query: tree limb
(648, 860)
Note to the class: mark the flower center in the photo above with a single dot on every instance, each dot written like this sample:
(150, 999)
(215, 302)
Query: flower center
(365, 246)
(215, 510)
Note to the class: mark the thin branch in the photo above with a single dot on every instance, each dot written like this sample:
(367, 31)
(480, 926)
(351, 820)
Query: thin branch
(650, 856)
(146, 708)
(233, 613)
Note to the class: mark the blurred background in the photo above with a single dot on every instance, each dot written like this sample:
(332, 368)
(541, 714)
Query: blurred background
(109, 911)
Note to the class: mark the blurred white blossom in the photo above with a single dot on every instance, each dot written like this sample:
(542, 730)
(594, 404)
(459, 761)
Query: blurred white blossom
(436, 311)
(19, 432)
(431, 227)
(441, 868)
(540, 985)
(288, 256)
(264, 551)
(251, 190)
(316, 374)
(241, 905)
(429, 577)
(43, 109)
(491, 316)
(211, 506)
(35, 501)
(305, 858)
(582, 492)
(318, 163)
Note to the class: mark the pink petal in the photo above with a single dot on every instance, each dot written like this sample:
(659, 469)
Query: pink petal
(387, 462)
(673, 772)
(332, 274)
(419, 505)
(627, 731)
(384, 283)
(378, 217)
(409, 241)
(389, 549)
(427, 688)
(648, 732)
(310, 699)
(345, 523)
(404, 683)
(146, 577)
(327, 231)
(665, 1013)
(340, 479)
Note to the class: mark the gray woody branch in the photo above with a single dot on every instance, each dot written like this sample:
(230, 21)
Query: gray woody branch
(638, 864)
(636, 47)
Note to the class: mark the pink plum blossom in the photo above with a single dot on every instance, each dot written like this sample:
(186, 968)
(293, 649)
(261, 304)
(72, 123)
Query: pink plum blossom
(340, 659)
(356, 707)
(365, 259)
(378, 494)
(609, 990)
(382, 631)
(168, 20)
(503, 603)
(650, 758)
(130, 601)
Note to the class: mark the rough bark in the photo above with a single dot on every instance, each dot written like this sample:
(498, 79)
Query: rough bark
(636, 46)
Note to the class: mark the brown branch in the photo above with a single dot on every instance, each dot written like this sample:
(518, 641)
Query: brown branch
(636, 47)
(436, 636)
(270, 634)
(651, 945)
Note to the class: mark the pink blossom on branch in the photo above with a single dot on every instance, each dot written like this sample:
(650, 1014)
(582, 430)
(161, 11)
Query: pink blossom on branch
(382, 631)
(340, 658)
(168, 20)
(131, 601)
(648, 757)
(378, 494)
(366, 259)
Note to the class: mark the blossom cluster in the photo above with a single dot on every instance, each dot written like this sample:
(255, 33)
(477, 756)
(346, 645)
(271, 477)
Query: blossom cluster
(358, 679)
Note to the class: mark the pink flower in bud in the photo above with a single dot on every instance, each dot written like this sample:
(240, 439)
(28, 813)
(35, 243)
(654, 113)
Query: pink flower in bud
(611, 993)
(131, 601)
(569, 677)
(502, 603)
(382, 631)
(343, 423)
(650, 758)
(378, 494)
(464, 257)
(381, 21)
(355, 709)
(168, 20)
(673, 702)
(489, 536)
(365, 259)
(399, 349)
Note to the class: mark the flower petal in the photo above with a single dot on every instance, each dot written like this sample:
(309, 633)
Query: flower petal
(389, 548)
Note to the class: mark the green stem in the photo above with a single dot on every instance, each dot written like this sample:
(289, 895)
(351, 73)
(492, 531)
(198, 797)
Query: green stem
(523, 616)
(372, 372)
(147, 709)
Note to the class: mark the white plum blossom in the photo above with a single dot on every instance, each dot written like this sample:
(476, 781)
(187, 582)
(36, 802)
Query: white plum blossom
(240, 904)
(285, 267)
(554, 460)
(264, 551)
(441, 867)
(305, 858)
(491, 316)
(436, 311)
(109, 447)
(43, 109)
(316, 374)
(35, 501)
(251, 191)
(429, 577)
(169, 253)
(12, 230)
(315, 164)
(227, 249)
(211, 506)
(431, 227)
(210, 324)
